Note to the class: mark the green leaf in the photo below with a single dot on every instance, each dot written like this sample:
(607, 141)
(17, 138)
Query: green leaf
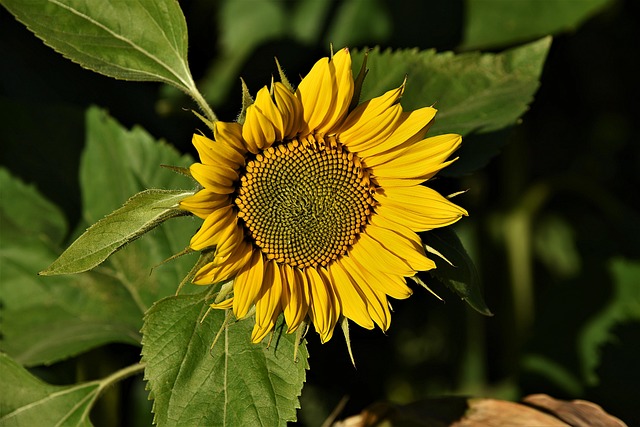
(118, 163)
(624, 306)
(140, 214)
(130, 40)
(27, 401)
(496, 23)
(461, 277)
(47, 319)
(233, 383)
(473, 92)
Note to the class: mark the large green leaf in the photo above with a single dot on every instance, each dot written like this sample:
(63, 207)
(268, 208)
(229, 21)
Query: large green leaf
(132, 40)
(473, 92)
(495, 23)
(233, 383)
(140, 214)
(27, 401)
(116, 164)
(46, 319)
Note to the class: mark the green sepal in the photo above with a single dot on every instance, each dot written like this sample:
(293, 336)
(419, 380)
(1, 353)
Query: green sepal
(344, 324)
(283, 77)
(179, 170)
(247, 101)
(141, 213)
(359, 81)
(210, 123)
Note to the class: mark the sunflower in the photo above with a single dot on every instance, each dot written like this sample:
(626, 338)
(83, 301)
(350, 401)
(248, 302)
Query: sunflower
(311, 207)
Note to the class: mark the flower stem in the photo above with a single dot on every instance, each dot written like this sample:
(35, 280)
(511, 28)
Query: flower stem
(121, 375)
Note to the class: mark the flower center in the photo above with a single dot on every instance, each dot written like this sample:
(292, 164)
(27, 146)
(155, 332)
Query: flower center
(304, 202)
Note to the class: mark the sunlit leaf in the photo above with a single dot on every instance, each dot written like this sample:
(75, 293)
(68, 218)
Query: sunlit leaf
(130, 40)
(140, 214)
(461, 277)
(496, 23)
(27, 401)
(233, 383)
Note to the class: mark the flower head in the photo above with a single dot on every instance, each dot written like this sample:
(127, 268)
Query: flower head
(313, 209)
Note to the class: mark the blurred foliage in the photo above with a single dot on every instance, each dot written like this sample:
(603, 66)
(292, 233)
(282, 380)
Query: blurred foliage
(553, 229)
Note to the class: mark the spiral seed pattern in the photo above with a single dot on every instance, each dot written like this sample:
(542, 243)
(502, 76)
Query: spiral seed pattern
(304, 202)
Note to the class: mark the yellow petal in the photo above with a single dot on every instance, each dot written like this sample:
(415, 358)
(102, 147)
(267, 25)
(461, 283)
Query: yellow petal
(259, 130)
(229, 239)
(231, 135)
(204, 202)
(407, 250)
(247, 284)
(325, 93)
(217, 152)
(340, 67)
(323, 305)
(212, 228)
(224, 268)
(290, 108)
(372, 131)
(376, 301)
(381, 277)
(217, 178)
(413, 253)
(259, 333)
(228, 303)
(419, 208)
(372, 256)
(419, 162)
(379, 114)
(268, 300)
(294, 297)
(410, 128)
(350, 298)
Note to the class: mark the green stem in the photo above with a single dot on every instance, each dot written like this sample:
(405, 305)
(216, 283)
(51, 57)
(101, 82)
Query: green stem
(121, 375)
(197, 96)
